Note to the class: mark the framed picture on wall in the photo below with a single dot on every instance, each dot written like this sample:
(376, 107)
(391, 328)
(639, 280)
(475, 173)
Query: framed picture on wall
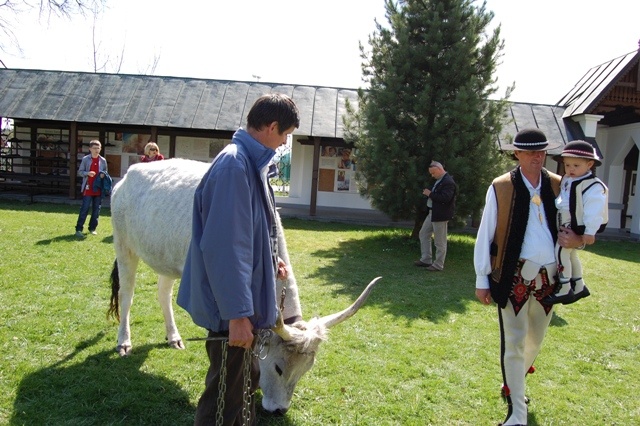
(134, 142)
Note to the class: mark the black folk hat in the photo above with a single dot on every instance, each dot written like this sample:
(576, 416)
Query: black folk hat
(579, 149)
(530, 140)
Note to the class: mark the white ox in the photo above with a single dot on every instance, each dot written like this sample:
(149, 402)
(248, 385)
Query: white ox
(151, 216)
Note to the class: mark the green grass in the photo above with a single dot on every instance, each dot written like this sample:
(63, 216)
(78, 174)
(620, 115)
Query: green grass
(422, 350)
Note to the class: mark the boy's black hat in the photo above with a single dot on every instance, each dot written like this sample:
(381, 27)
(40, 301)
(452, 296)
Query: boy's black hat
(579, 149)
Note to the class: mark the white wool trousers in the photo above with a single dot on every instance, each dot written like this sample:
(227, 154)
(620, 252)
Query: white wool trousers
(521, 341)
(439, 232)
(569, 265)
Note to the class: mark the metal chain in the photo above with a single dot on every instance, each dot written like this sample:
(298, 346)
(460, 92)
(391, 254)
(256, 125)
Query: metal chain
(261, 350)
(222, 385)
(246, 392)
(258, 352)
(283, 295)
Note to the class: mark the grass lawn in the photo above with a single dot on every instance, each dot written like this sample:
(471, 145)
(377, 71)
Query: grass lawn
(421, 351)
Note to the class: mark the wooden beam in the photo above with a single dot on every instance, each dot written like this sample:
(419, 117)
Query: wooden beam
(314, 177)
(73, 158)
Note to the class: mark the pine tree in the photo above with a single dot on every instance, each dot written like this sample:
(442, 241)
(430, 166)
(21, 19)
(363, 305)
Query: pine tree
(430, 73)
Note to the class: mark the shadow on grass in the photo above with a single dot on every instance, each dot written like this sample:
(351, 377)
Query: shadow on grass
(406, 291)
(60, 238)
(264, 418)
(102, 389)
(557, 320)
(71, 237)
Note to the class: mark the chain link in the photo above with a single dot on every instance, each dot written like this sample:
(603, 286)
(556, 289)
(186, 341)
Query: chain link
(259, 352)
(246, 392)
(222, 385)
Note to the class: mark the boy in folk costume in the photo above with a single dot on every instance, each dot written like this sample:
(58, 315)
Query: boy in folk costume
(582, 206)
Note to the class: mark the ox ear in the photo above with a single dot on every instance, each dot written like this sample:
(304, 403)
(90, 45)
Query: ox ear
(281, 329)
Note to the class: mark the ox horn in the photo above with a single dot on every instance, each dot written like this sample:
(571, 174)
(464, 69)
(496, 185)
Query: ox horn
(281, 329)
(331, 320)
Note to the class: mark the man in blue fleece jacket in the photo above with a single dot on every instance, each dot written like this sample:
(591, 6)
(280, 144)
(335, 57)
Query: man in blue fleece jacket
(229, 281)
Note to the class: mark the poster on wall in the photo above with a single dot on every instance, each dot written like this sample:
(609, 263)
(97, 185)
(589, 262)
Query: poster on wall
(201, 149)
(337, 169)
(122, 150)
(134, 142)
(342, 181)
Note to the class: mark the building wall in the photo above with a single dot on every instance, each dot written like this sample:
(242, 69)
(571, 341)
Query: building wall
(301, 185)
(615, 144)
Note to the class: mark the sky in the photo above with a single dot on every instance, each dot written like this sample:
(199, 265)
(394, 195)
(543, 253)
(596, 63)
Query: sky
(549, 44)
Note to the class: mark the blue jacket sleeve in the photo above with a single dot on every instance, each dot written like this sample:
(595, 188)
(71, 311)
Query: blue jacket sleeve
(227, 241)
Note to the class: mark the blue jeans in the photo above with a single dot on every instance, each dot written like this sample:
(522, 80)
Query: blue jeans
(95, 202)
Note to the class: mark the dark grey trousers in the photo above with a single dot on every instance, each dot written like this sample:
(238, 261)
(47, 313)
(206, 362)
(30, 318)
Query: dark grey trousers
(206, 411)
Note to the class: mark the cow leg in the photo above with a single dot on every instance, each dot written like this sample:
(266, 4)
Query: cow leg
(165, 297)
(127, 265)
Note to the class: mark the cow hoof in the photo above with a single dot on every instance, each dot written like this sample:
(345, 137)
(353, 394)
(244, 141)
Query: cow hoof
(123, 350)
(176, 344)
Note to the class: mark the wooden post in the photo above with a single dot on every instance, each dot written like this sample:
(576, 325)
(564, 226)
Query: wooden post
(73, 159)
(314, 177)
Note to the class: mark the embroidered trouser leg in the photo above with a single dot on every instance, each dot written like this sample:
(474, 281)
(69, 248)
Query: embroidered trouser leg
(568, 262)
(566, 258)
(576, 274)
(522, 334)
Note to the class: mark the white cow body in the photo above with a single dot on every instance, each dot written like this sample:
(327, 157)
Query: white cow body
(151, 213)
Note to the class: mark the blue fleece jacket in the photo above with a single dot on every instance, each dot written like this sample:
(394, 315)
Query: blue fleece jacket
(103, 184)
(228, 273)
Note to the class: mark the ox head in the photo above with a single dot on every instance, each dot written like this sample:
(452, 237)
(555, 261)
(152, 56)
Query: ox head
(291, 352)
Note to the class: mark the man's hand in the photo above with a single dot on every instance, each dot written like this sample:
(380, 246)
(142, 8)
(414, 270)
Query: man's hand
(484, 295)
(283, 272)
(241, 333)
(569, 239)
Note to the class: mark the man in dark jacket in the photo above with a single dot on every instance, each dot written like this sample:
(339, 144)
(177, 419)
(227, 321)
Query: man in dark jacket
(441, 201)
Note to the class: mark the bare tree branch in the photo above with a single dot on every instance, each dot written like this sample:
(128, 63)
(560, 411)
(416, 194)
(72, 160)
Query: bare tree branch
(11, 9)
(65, 9)
(151, 69)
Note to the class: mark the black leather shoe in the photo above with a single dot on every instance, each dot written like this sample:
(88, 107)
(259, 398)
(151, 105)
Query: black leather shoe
(565, 299)
(582, 294)
(421, 264)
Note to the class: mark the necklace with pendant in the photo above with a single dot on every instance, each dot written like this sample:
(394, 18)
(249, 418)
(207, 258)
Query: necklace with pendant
(535, 199)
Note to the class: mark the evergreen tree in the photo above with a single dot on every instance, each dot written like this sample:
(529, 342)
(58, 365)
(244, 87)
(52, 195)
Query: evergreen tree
(430, 74)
